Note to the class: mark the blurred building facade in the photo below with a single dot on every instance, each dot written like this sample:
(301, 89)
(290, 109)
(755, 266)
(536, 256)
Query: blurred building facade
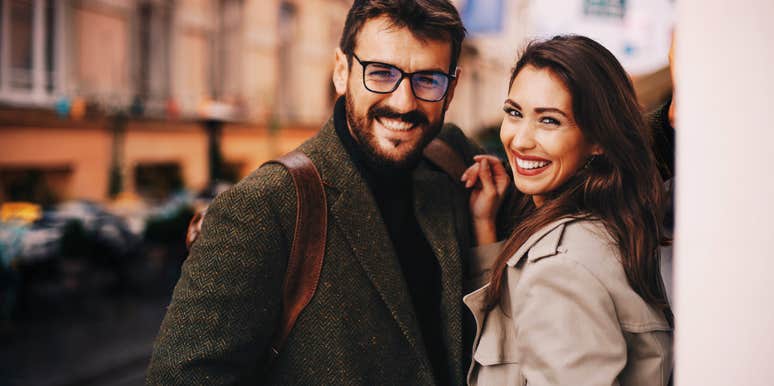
(88, 86)
(106, 96)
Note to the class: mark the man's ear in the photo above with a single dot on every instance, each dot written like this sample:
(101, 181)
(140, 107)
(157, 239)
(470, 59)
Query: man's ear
(452, 86)
(340, 72)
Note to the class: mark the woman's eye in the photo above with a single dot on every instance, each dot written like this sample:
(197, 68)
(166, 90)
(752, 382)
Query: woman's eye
(549, 121)
(512, 111)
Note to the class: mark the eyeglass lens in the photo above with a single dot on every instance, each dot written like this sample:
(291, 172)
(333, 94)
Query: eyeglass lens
(427, 85)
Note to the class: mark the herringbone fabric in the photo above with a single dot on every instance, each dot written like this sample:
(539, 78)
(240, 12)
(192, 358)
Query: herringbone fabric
(359, 329)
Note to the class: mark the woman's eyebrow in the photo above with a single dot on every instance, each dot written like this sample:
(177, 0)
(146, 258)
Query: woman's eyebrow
(538, 110)
(541, 110)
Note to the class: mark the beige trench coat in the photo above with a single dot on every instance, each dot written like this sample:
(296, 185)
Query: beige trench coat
(568, 317)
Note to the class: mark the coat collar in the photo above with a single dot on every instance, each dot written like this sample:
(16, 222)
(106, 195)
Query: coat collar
(356, 213)
(434, 208)
(542, 243)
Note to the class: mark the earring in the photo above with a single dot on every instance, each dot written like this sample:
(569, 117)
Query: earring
(589, 161)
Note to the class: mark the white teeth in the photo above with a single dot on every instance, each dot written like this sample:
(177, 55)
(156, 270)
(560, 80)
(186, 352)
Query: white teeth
(526, 164)
(395, 124)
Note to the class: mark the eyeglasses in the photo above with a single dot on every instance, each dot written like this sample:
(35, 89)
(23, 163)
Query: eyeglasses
(383, 78)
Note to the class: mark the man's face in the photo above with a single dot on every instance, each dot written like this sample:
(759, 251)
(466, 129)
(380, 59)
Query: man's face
(392, 128)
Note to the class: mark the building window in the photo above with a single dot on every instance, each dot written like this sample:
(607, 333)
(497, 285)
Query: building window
(29, 33)
(287, 33)
(227, 70)
(50, 43)
(145, 13)
(20, 43)
(605, 8)
(153, 57)
(42, 185)
(158, 180)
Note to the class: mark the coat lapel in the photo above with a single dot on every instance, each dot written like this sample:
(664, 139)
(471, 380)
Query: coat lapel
(546, 247)
(357, 216)
(435, 212)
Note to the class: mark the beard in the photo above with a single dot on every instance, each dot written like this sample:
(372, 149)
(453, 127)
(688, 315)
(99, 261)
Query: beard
(409, 154)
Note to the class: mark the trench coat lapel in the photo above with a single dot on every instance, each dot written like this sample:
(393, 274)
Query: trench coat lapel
(356, 214)
(434, 208)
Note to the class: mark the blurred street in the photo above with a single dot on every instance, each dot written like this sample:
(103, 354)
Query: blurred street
(83, 292)
(106, 342)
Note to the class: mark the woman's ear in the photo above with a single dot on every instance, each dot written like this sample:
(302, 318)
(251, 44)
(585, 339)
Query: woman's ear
(596, 149)
(340, 72)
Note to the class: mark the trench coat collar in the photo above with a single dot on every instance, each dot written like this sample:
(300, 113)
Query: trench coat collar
(542, 243)
(356, 212)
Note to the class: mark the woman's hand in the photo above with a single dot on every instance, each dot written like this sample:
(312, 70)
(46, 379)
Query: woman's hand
(489, 181)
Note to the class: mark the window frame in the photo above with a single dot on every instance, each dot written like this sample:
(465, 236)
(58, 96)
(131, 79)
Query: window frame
(39, 94)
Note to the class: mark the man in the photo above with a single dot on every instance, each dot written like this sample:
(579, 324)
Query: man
(387, 310)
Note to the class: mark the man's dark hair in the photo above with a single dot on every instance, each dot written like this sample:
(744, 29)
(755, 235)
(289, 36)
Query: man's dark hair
(426, 19)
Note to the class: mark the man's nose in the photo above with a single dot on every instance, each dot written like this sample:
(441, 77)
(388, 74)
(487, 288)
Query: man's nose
(402, 100)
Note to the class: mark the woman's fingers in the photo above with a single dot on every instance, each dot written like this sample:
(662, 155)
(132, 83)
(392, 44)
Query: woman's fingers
(485, 175)
(489, 157)
(490, 171)
(470, 177)
(499, 175)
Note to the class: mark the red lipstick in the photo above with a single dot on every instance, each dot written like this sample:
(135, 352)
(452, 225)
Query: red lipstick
(532, 171)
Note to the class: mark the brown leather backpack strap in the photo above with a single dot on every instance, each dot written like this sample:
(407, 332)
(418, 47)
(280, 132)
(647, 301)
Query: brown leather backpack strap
(308, 248)
(445, 157)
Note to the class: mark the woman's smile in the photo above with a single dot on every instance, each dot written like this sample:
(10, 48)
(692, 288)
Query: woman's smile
(530, 165)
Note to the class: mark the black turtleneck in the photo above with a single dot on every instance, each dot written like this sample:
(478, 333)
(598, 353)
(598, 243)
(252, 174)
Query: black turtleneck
(392, 189)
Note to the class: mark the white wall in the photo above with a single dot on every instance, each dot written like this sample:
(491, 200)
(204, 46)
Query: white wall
(725, 198)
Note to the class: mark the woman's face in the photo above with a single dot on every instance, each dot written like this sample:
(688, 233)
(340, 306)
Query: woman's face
(545, 146)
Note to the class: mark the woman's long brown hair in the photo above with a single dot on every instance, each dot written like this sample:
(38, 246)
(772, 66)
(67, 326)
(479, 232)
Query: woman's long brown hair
(622, 188)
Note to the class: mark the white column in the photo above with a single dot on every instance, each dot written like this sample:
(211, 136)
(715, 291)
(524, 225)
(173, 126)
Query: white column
(724, 259)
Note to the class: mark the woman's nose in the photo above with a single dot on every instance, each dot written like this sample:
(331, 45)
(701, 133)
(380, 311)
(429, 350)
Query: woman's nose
(523, 137)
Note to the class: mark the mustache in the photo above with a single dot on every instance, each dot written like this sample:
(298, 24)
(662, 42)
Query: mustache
(415, 117)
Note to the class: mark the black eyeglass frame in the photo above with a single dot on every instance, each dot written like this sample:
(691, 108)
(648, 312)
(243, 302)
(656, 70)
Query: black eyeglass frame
(403, 75)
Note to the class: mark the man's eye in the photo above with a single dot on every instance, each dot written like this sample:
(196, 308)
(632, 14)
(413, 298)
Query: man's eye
(512, 111)
(428, 81)
(380, 74)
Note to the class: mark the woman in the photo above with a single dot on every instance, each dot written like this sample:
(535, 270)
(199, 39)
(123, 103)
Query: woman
(575, 296)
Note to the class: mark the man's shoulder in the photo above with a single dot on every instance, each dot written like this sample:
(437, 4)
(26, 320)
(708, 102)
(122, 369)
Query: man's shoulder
(461, 143)
(454, 136)
(269, 184)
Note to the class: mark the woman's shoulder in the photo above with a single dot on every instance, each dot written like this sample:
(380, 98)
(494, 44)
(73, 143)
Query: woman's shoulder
(586, 244)
(589, 243)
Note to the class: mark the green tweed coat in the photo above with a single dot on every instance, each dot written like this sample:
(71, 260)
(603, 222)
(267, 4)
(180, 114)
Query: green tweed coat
(360, 327)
